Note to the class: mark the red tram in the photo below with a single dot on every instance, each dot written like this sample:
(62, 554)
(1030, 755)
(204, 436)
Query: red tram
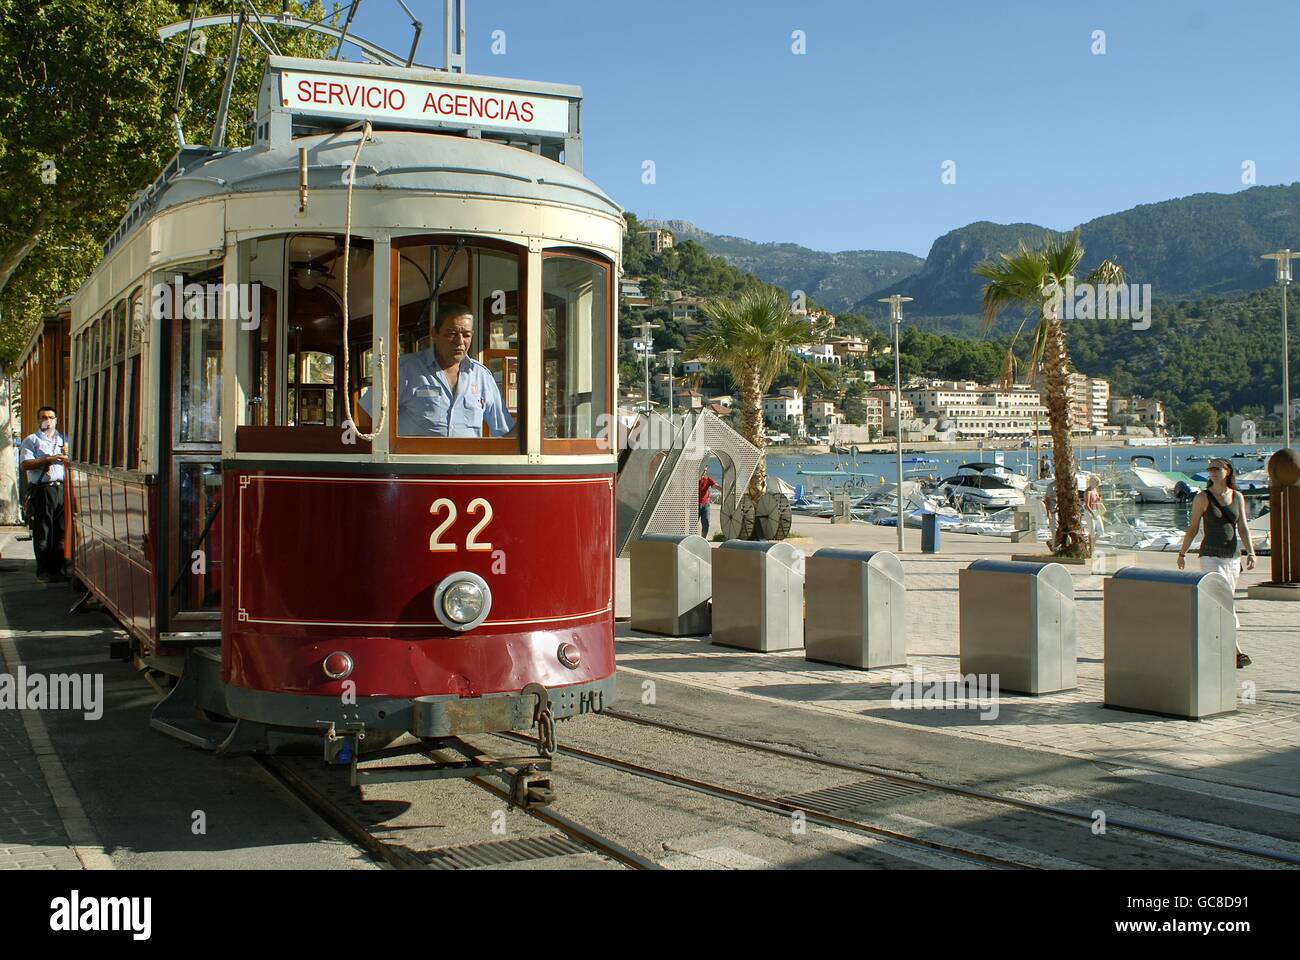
(291, 567)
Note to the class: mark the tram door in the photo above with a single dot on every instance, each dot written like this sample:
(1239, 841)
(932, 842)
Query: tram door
(191, 385)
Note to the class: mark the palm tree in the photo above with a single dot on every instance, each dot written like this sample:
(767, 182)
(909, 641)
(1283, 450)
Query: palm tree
(751, 337)
(1036, 279)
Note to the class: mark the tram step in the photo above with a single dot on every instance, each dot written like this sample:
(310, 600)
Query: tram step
(203, 734)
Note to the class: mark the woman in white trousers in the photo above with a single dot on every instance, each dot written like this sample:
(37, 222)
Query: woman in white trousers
(1222, 510)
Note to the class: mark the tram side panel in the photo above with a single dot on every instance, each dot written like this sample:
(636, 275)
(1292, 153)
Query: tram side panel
(319, 564)
(115, 535)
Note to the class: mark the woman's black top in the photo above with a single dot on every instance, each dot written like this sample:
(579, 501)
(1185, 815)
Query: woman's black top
(1220, 539)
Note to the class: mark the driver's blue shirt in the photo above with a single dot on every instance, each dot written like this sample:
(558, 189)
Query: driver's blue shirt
(428, 407)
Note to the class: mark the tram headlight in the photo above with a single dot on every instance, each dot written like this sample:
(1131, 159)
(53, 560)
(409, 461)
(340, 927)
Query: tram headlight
(462, 601)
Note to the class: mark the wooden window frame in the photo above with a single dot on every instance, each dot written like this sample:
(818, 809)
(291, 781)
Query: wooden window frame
(593, 445)
(432, 446)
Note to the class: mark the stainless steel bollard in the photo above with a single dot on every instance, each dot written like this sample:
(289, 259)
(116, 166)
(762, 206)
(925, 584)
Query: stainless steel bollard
(672, 581)
(1022, 527)
(856, 608)
(758, 596)
(1017, 621)
(1170, 643)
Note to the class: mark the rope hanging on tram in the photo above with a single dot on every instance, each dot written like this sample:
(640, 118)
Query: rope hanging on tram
(381, 379)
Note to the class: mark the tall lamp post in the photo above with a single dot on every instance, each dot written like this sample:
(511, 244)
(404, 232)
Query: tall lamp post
(896, 302)
(670, 354)
(646, 327)
(1284, 258)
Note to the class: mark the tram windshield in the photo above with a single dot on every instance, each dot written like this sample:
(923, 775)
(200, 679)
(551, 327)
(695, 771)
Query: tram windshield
(293, 352)
(457, 341)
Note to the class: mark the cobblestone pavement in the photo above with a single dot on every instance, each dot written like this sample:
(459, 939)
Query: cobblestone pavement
(1258, 746)
(32, 835)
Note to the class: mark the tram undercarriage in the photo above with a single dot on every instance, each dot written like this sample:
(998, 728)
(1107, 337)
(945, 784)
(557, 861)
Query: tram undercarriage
(203, 711)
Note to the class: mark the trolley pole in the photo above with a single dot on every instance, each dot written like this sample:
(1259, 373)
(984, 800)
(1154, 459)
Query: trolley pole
(896, 302)
(1284, 258)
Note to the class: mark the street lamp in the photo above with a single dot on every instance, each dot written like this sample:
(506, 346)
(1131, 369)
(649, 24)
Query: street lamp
(646, 327)
(670, 354)
(1284, 258)
(896, 302)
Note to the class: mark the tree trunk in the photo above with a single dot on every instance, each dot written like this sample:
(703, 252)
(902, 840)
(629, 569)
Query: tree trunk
(1069, 540)
(751, 427)
(12, 256)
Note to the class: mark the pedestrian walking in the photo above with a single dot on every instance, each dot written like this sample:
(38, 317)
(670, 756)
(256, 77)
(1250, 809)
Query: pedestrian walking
(43, 456)
(1222, 510)
(706, 484)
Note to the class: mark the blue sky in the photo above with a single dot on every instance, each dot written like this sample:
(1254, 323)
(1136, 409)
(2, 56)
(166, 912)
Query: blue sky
(842, 147)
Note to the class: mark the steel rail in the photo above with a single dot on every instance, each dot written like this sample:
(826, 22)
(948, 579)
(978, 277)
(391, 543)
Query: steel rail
(399, 858)
(778, 806)
(584, 835)
(971, 792)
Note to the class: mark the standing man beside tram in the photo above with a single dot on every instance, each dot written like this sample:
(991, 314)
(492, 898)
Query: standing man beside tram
(44, 455)
(442, 391)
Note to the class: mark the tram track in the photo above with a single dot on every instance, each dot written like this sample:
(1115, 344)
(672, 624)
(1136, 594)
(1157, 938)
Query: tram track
(926, 783)
(400, 857)
(783, 807)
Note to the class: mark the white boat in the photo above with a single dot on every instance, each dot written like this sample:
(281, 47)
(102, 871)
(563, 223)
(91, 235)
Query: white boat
(977, 486)
(1148, 483)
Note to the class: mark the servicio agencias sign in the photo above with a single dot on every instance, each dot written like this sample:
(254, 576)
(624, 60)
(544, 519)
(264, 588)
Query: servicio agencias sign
(379, 99)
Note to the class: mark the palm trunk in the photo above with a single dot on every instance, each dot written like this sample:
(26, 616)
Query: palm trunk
(751, 427)
(1069, 540)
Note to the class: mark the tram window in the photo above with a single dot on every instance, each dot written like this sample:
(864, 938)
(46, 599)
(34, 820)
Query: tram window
(102, 408)
(575, 354)
(199, 503)
(135, 336)
(138, 319)
(119, 383)
(198, 342)
(434, 280)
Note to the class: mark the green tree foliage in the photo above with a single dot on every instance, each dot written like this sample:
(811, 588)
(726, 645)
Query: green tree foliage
(752, 336)
(1226, 352)
(1200, 419)
(88, 86)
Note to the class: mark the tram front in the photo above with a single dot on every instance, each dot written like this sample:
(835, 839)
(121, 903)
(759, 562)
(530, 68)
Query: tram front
(417, 383)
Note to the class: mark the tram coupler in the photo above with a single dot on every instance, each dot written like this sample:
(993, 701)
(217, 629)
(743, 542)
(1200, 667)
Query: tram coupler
(531, 787)
(343, 747)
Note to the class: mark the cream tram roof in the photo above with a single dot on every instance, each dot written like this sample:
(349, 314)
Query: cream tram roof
(439, 152)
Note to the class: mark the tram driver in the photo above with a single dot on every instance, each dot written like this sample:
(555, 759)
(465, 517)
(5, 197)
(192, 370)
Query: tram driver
(442, 391)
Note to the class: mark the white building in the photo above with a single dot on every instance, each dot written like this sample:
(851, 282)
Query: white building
(977, 411)
(785, 403)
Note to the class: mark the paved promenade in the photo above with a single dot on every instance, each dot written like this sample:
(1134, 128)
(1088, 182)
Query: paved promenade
(1257, 747)
(38, 808)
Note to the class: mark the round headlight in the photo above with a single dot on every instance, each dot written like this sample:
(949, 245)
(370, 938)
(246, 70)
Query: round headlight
(462, 601)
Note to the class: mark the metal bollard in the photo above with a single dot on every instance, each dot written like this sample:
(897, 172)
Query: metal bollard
(672, 581)
(1284, 529)
(1170, 643)
(1022, 527)
(1017, 621)
(930, 532)
(758, 596)
(856, 608)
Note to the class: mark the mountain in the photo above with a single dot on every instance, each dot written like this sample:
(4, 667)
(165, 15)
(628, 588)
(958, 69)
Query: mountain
(834, 280)
(1204, 244)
